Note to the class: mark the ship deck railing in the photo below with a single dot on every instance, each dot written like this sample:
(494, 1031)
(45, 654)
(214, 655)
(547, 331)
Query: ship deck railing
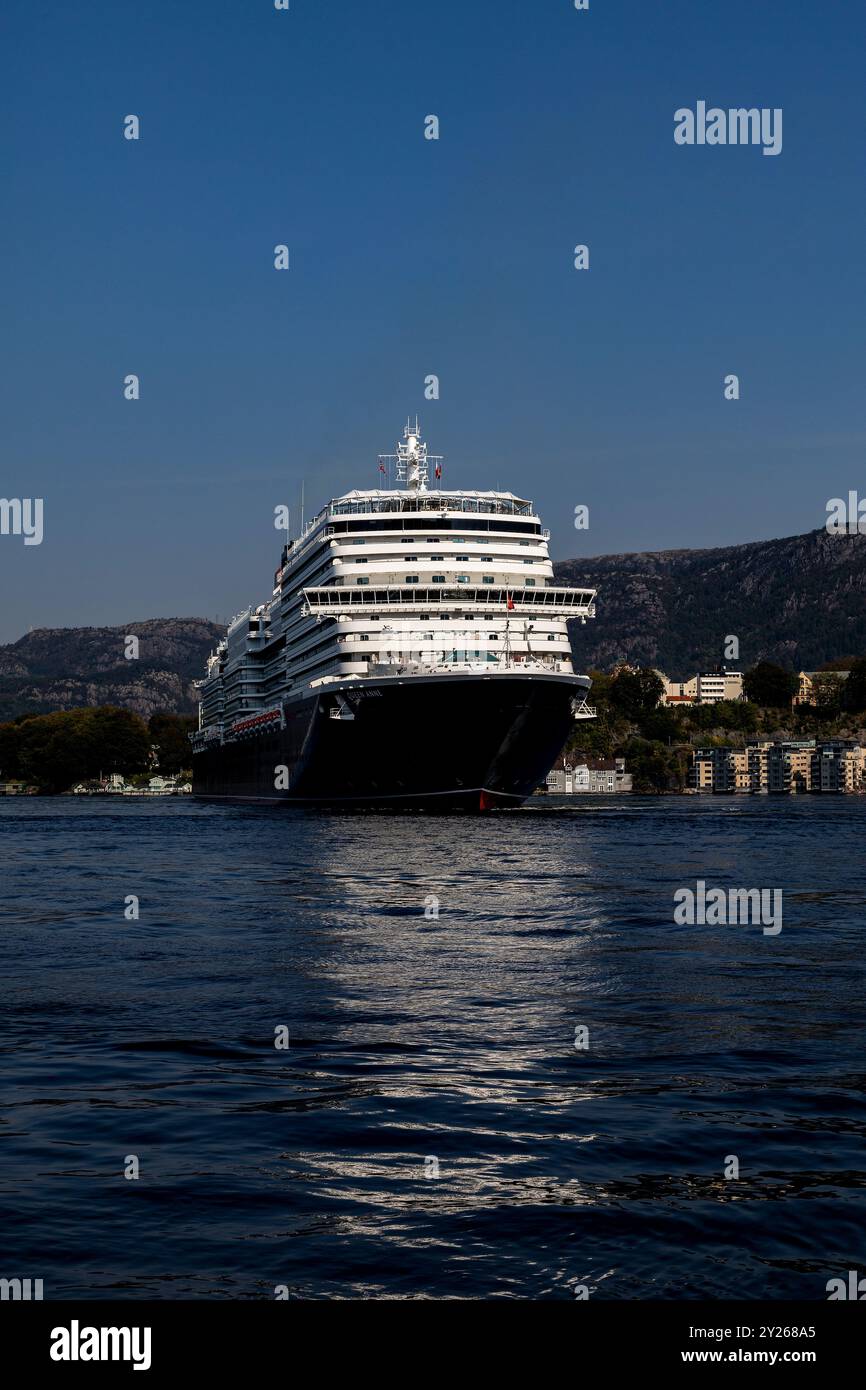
(379, 669)
(491, 505)
(479, 505)
(423, 668)
(338, 600)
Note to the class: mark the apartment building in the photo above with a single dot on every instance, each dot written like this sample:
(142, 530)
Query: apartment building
(706, 688)
(838, 767)
(789, 766)
(785, 767)
(722, 770)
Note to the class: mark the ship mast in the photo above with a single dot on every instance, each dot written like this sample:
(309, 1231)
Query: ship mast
(412, 459)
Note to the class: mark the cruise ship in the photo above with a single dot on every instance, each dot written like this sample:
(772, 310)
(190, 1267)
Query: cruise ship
(414, 653)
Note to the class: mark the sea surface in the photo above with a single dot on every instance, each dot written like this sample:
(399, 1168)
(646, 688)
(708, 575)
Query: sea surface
(430, 1043)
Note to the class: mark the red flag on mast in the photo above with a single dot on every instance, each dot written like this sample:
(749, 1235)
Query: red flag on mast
(509, 601)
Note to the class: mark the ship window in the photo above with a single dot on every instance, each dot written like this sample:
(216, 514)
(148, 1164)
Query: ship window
(438, 578)
(411, 558)
(492, 636)
(434, 540)
(463, 579)
(487, 579)
(363, 637)
(411, 579)
(529, 583)
(362, 581)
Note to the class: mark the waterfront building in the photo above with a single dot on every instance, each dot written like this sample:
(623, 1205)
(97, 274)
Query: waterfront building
(595, 775)
(838, 766)
(789, 766)
(781, 767)
(758, 754)
(722, 770)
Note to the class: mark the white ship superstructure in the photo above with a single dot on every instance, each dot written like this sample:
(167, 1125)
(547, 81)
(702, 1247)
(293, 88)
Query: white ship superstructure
(414, 653)
(394, 583)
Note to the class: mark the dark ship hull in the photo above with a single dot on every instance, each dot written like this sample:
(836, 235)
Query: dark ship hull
(455, 742)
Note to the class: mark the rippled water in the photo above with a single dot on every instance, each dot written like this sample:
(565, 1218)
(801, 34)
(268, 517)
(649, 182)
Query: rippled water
(416, 1038)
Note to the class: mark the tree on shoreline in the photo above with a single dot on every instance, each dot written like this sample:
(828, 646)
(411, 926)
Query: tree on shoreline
(170, 735)
(54, 751)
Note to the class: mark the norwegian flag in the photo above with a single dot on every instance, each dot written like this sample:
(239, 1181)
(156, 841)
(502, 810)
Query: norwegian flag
(381, 468)
(438, 470)
(509, 601)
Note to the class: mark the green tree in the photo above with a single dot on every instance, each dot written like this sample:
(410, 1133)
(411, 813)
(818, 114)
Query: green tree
(769, 685)
(599, 694)
(592, 738)
(661, 725)
(636, 693)
(843, 663)
(650, 766)
(10, 741)
(854, 689)
(121, 741)
(827, 694)
(54, 751)
(736, 715)
(170, 734)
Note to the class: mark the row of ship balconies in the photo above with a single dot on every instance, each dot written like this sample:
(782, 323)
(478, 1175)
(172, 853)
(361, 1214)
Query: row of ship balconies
(417, 512)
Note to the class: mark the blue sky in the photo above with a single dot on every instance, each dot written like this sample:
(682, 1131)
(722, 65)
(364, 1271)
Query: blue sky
(411, 257)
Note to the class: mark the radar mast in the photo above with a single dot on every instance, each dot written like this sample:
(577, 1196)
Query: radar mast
(412, 459)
